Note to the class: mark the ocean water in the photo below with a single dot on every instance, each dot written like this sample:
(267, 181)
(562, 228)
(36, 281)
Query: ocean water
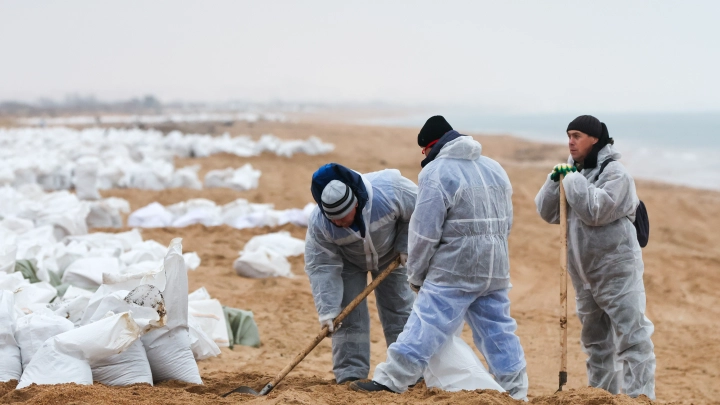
(677, 148)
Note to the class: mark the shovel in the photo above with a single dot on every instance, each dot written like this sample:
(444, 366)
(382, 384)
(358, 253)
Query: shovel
(563, 286)
(323, 333)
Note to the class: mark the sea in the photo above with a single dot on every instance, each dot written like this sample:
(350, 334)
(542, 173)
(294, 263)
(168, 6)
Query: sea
(677, 148)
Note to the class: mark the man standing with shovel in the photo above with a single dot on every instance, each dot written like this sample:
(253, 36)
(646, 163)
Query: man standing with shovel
(360, 226)
(605, 261)
(458, 261)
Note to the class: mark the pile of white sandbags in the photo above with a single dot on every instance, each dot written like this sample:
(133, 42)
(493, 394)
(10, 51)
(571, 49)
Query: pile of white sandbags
(239, 214)
(154, 118)
(139, 326)
(63, 211)
(266, 255)
(98, 158)
(38, 226)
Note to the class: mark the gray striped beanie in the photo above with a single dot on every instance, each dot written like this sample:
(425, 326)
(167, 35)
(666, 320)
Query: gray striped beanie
(337, 200)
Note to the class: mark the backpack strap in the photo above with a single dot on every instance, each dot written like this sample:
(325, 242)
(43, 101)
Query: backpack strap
(603, 166)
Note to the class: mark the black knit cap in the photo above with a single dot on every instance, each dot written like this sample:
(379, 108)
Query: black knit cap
(435, 127)
(592, 127)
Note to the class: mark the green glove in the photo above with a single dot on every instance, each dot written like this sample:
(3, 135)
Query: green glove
(562, 168)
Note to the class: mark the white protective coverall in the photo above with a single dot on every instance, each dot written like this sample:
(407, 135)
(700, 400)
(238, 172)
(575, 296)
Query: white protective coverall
(606, 268)
(337, 261)
(458, 253)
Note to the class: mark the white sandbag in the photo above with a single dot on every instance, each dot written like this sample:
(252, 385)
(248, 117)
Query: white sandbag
(122, 240)
(455, 367)
(12, 281)
(186, 177)
(17, 225)
(279, 242)
(71, 308)
(24, 176)
(148, 250)
(241, 179)
(35, 293)
(64, 212)
(199, 294)
(146, 305)
(67, 358)
(210, 317)
(192, 260)
(126, 368)
(168, 348)
(88, 272)
(85, 179)
(149, 272)
(34, 329)
(10, 362)
(74, 292)
(8, 251)
(262, 263)
(153, 215)
(202, 346)
(206, 216)
(183, 207)
(103, 215)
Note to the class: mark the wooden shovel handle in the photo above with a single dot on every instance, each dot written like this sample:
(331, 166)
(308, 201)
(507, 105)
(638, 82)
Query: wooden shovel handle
(563, 284)
(324, 332)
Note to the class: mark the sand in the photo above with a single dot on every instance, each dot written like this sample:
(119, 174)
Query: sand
(681, 278)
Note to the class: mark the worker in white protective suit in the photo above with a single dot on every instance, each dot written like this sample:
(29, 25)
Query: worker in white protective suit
(458, 261)
(360, 226)
(604, 260)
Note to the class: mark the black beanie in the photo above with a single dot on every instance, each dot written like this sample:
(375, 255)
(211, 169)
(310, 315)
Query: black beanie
(435, 127)
(592, 127)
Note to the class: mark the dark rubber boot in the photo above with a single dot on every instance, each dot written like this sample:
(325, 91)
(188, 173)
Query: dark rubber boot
(368, 386)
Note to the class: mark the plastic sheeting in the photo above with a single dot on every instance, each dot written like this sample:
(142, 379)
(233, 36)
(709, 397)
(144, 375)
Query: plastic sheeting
(455, 367)
(239, 214)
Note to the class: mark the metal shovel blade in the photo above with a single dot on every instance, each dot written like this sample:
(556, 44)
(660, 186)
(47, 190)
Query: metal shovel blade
(242, 390)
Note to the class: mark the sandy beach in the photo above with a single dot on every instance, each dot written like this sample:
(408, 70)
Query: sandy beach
(681, 278)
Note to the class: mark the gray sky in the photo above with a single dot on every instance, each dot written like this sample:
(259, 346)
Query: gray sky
(520, 56)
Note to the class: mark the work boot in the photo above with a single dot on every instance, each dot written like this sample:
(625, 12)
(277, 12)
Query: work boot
(368, 386)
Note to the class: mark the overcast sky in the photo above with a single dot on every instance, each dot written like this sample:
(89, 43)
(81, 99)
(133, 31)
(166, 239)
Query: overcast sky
(520, 56)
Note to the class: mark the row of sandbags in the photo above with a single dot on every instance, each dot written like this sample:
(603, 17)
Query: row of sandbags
(239, 214)
(99, 158)
(153, 118)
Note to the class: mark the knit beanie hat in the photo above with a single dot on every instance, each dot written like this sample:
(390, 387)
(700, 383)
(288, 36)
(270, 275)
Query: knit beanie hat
(592, 127)
(337, 200)
(435, 127)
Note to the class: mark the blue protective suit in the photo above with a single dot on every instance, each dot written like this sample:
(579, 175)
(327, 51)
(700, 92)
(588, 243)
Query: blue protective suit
(458, 253)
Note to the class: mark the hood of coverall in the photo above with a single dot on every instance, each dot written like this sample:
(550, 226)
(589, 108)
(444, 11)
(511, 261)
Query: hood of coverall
(333, 171)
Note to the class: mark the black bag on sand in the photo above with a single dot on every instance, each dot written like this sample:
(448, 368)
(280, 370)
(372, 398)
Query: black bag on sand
(642, 222)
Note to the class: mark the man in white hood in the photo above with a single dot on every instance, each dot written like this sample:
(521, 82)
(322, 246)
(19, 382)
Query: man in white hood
(458, 262)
